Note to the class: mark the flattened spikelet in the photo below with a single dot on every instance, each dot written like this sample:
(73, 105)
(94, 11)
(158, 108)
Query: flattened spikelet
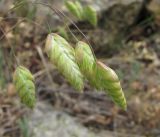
(63, 56)
(86, 61)
(100, 76)
(24, 83)
(86, 13)
(90, 15)
(109, 82)
(74, 8)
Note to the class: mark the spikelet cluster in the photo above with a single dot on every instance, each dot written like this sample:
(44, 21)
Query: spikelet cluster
(63, 56)
(80, 62)
(86, 13)
(100, 76)
(24, 83)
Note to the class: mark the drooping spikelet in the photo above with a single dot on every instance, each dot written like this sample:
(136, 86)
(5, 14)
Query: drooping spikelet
(85, 13)
(75, 8)
(86, 61)
(109, 82)
(90, 15)
(63, 56)
(24, 83)
(100, 76)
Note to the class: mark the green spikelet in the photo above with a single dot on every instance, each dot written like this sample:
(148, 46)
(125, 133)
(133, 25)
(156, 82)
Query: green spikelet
(63, 56)
(24, 83)
(100, 76)
(90, 15)
(75, 8)
(79, 8)
(109, 82)
(86, 61)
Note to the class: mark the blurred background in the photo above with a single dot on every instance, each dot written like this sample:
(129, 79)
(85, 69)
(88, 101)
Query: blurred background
(126, 38)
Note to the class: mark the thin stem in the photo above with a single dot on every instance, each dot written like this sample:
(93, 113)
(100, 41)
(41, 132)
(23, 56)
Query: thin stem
(12, 49)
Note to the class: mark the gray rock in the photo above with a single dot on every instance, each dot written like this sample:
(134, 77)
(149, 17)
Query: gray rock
(47, 122)
(44, 121)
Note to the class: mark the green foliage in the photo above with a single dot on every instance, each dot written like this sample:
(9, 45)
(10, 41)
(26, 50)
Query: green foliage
(24, 83)
(63, 56)
(86, 13)
(109, 82)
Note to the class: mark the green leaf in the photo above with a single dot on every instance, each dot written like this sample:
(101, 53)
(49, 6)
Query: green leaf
(63, 56)
(75, 8)
(109, 82)
(90, 15)
(24, 83)
(86, 61)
